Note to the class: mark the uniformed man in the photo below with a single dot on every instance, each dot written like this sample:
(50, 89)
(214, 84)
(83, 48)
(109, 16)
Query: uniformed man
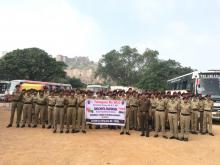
(185, 110)
(40, 107)
(173, 110)
(125, 129)
(201, 111)
(207, 118)
(152, 111)
(34, 95)
(81, 122)
(27, 109)
(60, 103)
(51, 100)
(160, 116)
(144, 109)
(16, 104)
(71, 112)
(194, 114)
(134, 109)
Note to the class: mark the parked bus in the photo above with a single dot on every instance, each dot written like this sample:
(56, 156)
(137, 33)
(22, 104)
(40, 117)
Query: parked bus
(97, 88)
(4, 85)
(204, 83)
(37, 85)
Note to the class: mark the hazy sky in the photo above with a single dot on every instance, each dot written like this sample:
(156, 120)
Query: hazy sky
(185, 30)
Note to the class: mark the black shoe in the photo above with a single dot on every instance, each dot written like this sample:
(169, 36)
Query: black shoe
(142, 134)
(196, 133)
(61, 131)
(67, 131)
(83, 131)
(23, 126)
(155, 136)
(77, 131)
(54, 131)
(172, 137)
(127, 133)
(9, 125)
(43, 126)
(147, 135)
(29, 125)
(211, 134)
(202, 133)
(165, 137)
(17, 126)
(185, 139)
(34, 126)
(49, 127)
(121, 133)
(181, 139)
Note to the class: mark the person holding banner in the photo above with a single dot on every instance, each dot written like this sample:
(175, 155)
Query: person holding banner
(125, 129)
(81, 122)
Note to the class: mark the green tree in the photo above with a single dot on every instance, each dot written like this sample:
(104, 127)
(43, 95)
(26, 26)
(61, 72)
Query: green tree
(32, 64)
(125, 66)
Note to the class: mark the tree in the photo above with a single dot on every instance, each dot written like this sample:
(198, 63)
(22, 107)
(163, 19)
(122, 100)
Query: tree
(125, 66)
(32, 64)
(157, 73)
(75, 82)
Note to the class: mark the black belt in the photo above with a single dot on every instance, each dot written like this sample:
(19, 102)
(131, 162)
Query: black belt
(82, 106)
(51, 105)
(153, 107)
(173, 112)
(127, 106)
(160, 110)
(134, 106)
(71, 106)
(185, 114)
(15, 100)
(27, 103)
(59, 106)
(40, 104)
(195, 110)
(207, 110)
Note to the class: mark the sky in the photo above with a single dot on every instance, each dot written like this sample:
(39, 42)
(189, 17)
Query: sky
(186, 31)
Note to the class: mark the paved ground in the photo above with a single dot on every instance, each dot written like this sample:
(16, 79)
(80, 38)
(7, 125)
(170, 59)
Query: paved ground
(98, 147)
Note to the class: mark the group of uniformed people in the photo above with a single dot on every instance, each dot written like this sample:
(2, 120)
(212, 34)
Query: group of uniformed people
(145, 112)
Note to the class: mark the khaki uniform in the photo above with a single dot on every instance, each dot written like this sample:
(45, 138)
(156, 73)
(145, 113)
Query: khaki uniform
(39, 110)
(200, 119)
(207, 116)
(16, 104)
(152, 112)
(127, 116)
(194, 114)
(133, 112)
(185, 110)
(160, 116)
(81, 122)
(50, 108)
(172, 109)
(27, 109)
(71, 112)
(59, 112)
(33, 107)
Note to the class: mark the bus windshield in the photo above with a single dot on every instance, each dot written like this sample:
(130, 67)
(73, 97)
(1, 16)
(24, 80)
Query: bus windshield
(3, 87)
(209, 86)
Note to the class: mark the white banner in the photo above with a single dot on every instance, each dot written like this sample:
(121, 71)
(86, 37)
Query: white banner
(105, 112)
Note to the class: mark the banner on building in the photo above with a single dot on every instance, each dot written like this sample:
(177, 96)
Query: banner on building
(105, 112)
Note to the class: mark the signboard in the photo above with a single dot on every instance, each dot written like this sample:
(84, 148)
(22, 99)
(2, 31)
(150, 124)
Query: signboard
(105, 112)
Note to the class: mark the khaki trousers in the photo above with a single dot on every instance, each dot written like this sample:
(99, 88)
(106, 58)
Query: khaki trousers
(27, 113)
(207, 121)
(81, 122)
(184, 126)
(173, 124)
(160, 121)
(71, 118)
(50, 115)
(59, 116)
(127, 117)
(39, 110)
(16, 106)
(194, 120)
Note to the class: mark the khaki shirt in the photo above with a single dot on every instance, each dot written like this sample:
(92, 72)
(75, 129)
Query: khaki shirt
(208, 105)
(41, 100)
(60, 101)
(82, 101)
(195, 104)
(201, 105)
(71, 101)
(153, 103)
(17, 96)
(51, 100)
(173, 106)
(133, 101)
(160, 104)
(27, 99)
(185, 108)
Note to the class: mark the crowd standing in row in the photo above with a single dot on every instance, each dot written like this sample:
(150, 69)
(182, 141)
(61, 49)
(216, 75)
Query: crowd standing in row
(145, 112)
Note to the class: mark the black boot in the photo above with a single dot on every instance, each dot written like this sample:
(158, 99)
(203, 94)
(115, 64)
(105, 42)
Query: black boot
(9, 125)
(17, 126)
